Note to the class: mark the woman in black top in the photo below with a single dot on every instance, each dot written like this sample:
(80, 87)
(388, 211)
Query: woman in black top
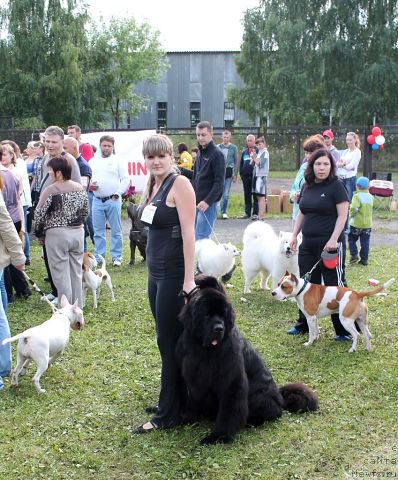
(169, 208)
(323, 209)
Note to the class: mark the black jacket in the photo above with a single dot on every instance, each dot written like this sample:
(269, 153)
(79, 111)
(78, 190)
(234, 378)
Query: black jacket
(245, 167)
(209, 174)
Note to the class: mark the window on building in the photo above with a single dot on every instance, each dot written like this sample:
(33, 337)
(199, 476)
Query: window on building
(162, 114)
(229, 114)
(194, 110)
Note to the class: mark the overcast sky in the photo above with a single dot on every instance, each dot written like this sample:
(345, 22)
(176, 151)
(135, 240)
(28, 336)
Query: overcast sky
(185, 24)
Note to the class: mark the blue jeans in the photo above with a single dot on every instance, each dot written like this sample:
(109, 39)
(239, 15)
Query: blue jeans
(5, 350)
(26, 249)
(205, 222)
(350, 185)
(225, 194)
(110, 212)
(363, 234)
(3, 292)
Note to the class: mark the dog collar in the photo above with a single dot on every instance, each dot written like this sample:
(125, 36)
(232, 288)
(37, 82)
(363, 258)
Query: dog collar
(303, 287)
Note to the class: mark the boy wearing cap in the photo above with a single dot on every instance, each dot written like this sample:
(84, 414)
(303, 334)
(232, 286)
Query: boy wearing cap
(361, 210)
(328, 136)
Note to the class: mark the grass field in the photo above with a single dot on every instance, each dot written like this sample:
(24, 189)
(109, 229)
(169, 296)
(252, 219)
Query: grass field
(81, 428)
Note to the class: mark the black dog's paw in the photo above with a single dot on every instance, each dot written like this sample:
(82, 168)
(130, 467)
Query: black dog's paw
(214, 439)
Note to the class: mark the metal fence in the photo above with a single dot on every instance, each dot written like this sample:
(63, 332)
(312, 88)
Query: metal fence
(284, 143)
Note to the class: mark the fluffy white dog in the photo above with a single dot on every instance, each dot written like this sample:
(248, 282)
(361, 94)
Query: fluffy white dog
(267, 254)
(45, 342)
(216, 259)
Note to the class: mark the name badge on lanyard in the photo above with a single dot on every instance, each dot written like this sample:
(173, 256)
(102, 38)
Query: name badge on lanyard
(148, 213)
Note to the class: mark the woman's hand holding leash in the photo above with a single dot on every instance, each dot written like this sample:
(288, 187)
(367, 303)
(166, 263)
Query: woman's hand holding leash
(202, 206)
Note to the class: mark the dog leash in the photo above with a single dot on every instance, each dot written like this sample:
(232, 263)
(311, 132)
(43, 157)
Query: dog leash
(211, 228)
(37, 289)
(306, 277)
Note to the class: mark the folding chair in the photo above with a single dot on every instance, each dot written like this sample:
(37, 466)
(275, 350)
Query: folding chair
(382, 189)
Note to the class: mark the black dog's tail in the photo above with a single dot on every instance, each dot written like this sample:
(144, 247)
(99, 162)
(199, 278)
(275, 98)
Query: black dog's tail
(299, 398)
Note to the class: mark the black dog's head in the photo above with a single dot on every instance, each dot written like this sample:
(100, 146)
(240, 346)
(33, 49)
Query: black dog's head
(207, 281)
(208, 317)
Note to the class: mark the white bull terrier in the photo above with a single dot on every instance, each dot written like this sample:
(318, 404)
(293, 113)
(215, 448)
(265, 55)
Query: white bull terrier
(45, 342)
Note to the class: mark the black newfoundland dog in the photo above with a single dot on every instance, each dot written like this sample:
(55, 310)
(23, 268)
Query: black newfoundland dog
(226, 378)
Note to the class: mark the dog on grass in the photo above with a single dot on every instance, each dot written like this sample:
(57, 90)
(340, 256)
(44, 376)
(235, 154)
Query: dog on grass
(268, 254)
(317, 301)
(138, 233)
(93, 279)
(216, 259)
(45, 342)
(226, 379)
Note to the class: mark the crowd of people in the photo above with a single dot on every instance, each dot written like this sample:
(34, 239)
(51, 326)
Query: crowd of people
(71, 194)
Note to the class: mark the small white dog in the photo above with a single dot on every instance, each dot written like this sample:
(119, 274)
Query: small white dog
(92, 280)
(216, 259)
(45, 342)
(267, 254)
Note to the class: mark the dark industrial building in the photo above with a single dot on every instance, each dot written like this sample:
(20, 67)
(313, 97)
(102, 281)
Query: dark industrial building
(193, 88)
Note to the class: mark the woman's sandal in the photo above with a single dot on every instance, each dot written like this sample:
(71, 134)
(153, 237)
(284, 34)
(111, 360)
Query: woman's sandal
(147, 427)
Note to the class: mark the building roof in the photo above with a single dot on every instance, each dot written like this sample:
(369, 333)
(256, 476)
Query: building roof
(204, 51)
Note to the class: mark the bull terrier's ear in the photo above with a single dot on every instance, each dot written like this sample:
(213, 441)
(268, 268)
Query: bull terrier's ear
(64, 301)
(281, 233)
(76, 302)
(287, 274)
(294, 278)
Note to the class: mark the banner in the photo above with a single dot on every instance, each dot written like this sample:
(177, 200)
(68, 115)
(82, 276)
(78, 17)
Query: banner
(128, 147)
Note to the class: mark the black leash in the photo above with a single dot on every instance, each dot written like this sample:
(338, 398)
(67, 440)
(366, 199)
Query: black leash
(37, 289)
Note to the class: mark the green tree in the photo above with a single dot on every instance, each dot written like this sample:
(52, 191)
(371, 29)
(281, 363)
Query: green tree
(42, 52)
(123, 54)
(301, 59)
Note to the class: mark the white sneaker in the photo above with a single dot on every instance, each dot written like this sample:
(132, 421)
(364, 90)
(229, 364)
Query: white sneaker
(50, 297)
(116, 263)
(55, 301)
(224, 216)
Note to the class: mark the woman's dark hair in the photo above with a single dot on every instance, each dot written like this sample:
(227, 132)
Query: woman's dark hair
(309, 174)
(182, 148)
(61, 164)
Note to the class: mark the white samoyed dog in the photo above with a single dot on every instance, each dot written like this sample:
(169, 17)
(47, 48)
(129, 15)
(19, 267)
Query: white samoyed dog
(268, 254)
(216, 259)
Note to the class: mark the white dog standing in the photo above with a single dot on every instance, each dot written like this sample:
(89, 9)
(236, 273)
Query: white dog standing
(45, 342)
(215, 259)
(92, 280)
(266, 253)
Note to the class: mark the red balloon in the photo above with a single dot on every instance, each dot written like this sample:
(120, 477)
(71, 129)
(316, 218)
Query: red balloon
(371, 139)
(381, 146)
(376, 131)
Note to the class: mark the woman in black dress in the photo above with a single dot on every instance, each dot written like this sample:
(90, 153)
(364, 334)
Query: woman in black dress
(168, 206)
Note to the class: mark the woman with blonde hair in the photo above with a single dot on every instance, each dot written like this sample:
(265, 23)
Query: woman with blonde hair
(168, 206)
(348, 164)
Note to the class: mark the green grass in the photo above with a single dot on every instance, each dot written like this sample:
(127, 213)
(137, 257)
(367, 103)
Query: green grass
(81, 428)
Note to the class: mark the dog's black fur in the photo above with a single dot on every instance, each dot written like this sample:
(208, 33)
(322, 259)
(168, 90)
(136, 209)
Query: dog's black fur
(226, 378)
(138, 233)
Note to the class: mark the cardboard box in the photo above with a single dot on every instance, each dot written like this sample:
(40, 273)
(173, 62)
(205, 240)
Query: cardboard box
(273, 204)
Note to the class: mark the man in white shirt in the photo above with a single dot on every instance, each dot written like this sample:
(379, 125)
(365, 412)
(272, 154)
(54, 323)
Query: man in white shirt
(109, 181)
